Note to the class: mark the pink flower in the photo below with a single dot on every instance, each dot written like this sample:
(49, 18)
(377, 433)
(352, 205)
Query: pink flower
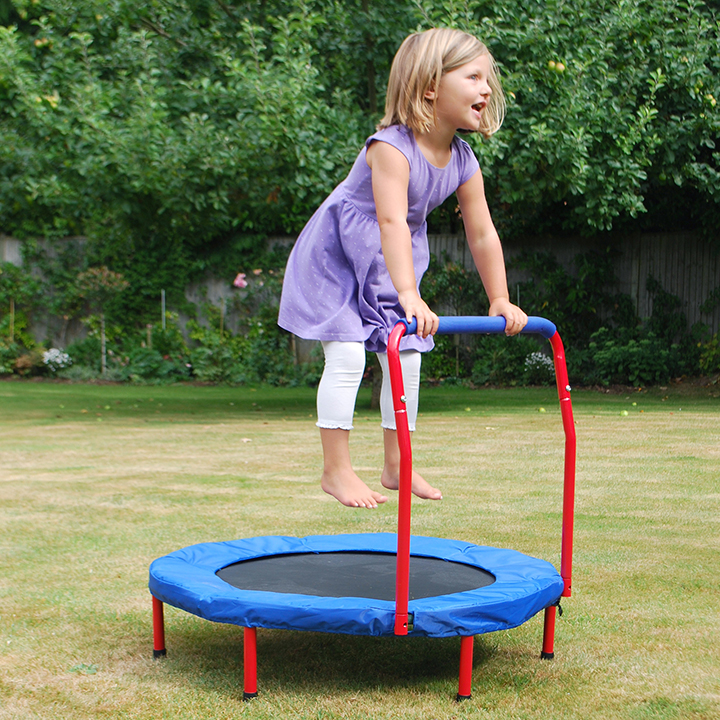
(240, 281)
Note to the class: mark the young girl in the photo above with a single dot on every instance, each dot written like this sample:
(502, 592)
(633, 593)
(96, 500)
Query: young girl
(356, 267)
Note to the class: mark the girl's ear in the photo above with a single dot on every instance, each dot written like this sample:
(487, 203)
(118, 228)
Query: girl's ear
(430, 92)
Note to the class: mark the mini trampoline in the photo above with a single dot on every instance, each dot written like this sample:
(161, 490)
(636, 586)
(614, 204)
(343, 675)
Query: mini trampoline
(378, 584)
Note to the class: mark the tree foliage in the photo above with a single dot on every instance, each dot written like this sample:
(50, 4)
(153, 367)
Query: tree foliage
(613, 113)
(176, 135)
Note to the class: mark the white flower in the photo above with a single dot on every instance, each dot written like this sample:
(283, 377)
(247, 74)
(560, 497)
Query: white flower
(537, 361)
(539, 368)
(56, 359)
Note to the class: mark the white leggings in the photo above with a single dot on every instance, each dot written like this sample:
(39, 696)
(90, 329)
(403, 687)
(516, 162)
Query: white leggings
(344, 368)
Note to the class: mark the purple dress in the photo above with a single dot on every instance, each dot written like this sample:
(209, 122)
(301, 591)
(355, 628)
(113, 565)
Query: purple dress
(336, 285)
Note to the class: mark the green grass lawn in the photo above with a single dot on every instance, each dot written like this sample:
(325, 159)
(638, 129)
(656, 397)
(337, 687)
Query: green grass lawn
(98, 480)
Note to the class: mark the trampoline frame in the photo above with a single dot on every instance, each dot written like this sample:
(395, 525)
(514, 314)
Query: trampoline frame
(403, 619)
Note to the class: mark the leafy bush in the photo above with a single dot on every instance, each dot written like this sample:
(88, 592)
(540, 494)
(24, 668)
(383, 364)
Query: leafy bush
(176, 137)
(709, 361)
(269, 351)
(30, 363)
(192, 135)
(641, 358)
(169, 340)
(217, 357)
(16, 328)
(85, 353)
(451, 289)
(638, 362)
(579, 303)
(9, 353)
(667, 320)
(143, 363)
(606, 341)
(444, 361)
(501, 360)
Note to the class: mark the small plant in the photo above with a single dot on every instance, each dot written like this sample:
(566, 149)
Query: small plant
(79, 373)
(84, 669)
(98, 286)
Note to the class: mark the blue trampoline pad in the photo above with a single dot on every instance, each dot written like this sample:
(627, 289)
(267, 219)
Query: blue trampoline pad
(345, 584)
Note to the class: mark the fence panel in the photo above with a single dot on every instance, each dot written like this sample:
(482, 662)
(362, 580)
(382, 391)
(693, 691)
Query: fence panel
(684, 264)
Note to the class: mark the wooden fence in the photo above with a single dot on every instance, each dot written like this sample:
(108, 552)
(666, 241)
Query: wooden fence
(684, 264)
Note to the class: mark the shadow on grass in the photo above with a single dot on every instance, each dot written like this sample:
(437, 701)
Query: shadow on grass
(310, 663)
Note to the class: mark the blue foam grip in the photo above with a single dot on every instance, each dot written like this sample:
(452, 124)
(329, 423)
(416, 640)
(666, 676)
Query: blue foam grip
(452, 324)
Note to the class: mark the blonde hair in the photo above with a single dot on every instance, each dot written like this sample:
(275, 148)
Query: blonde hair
(419, 65)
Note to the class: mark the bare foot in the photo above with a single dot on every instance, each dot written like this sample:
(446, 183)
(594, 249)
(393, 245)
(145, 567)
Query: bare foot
(420, 486)
(350, 490)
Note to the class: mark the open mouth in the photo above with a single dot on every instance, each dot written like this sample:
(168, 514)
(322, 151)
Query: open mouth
(479, 107)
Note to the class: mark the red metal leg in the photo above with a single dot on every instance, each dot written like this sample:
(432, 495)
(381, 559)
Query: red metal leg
(250, 662)
(466, 661)
(158, 629)
(549, 634)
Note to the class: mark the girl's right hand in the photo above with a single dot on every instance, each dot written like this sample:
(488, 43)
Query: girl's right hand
(415, 307)
(515, 318)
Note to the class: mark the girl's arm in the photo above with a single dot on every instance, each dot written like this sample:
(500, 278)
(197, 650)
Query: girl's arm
(487, 253)
(390, 179)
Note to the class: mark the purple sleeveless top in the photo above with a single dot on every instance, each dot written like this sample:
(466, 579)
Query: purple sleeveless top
(336, 285)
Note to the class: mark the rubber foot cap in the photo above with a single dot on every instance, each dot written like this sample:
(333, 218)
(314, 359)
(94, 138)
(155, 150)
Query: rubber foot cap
(249, 696)
(460, 697)
(547, 655)
(159, 653)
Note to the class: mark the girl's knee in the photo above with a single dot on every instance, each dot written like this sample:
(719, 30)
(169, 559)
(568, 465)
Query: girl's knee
(337, 392)
(346, 359)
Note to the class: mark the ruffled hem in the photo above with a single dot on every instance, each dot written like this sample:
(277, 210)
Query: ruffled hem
(334, 426)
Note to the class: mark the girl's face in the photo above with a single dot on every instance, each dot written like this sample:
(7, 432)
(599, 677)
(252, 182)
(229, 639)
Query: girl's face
(463, 95)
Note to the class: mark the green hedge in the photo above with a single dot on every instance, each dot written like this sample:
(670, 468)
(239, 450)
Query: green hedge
(176, 137)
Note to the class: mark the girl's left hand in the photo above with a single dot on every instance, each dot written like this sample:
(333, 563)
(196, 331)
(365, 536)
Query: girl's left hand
(515, 318)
